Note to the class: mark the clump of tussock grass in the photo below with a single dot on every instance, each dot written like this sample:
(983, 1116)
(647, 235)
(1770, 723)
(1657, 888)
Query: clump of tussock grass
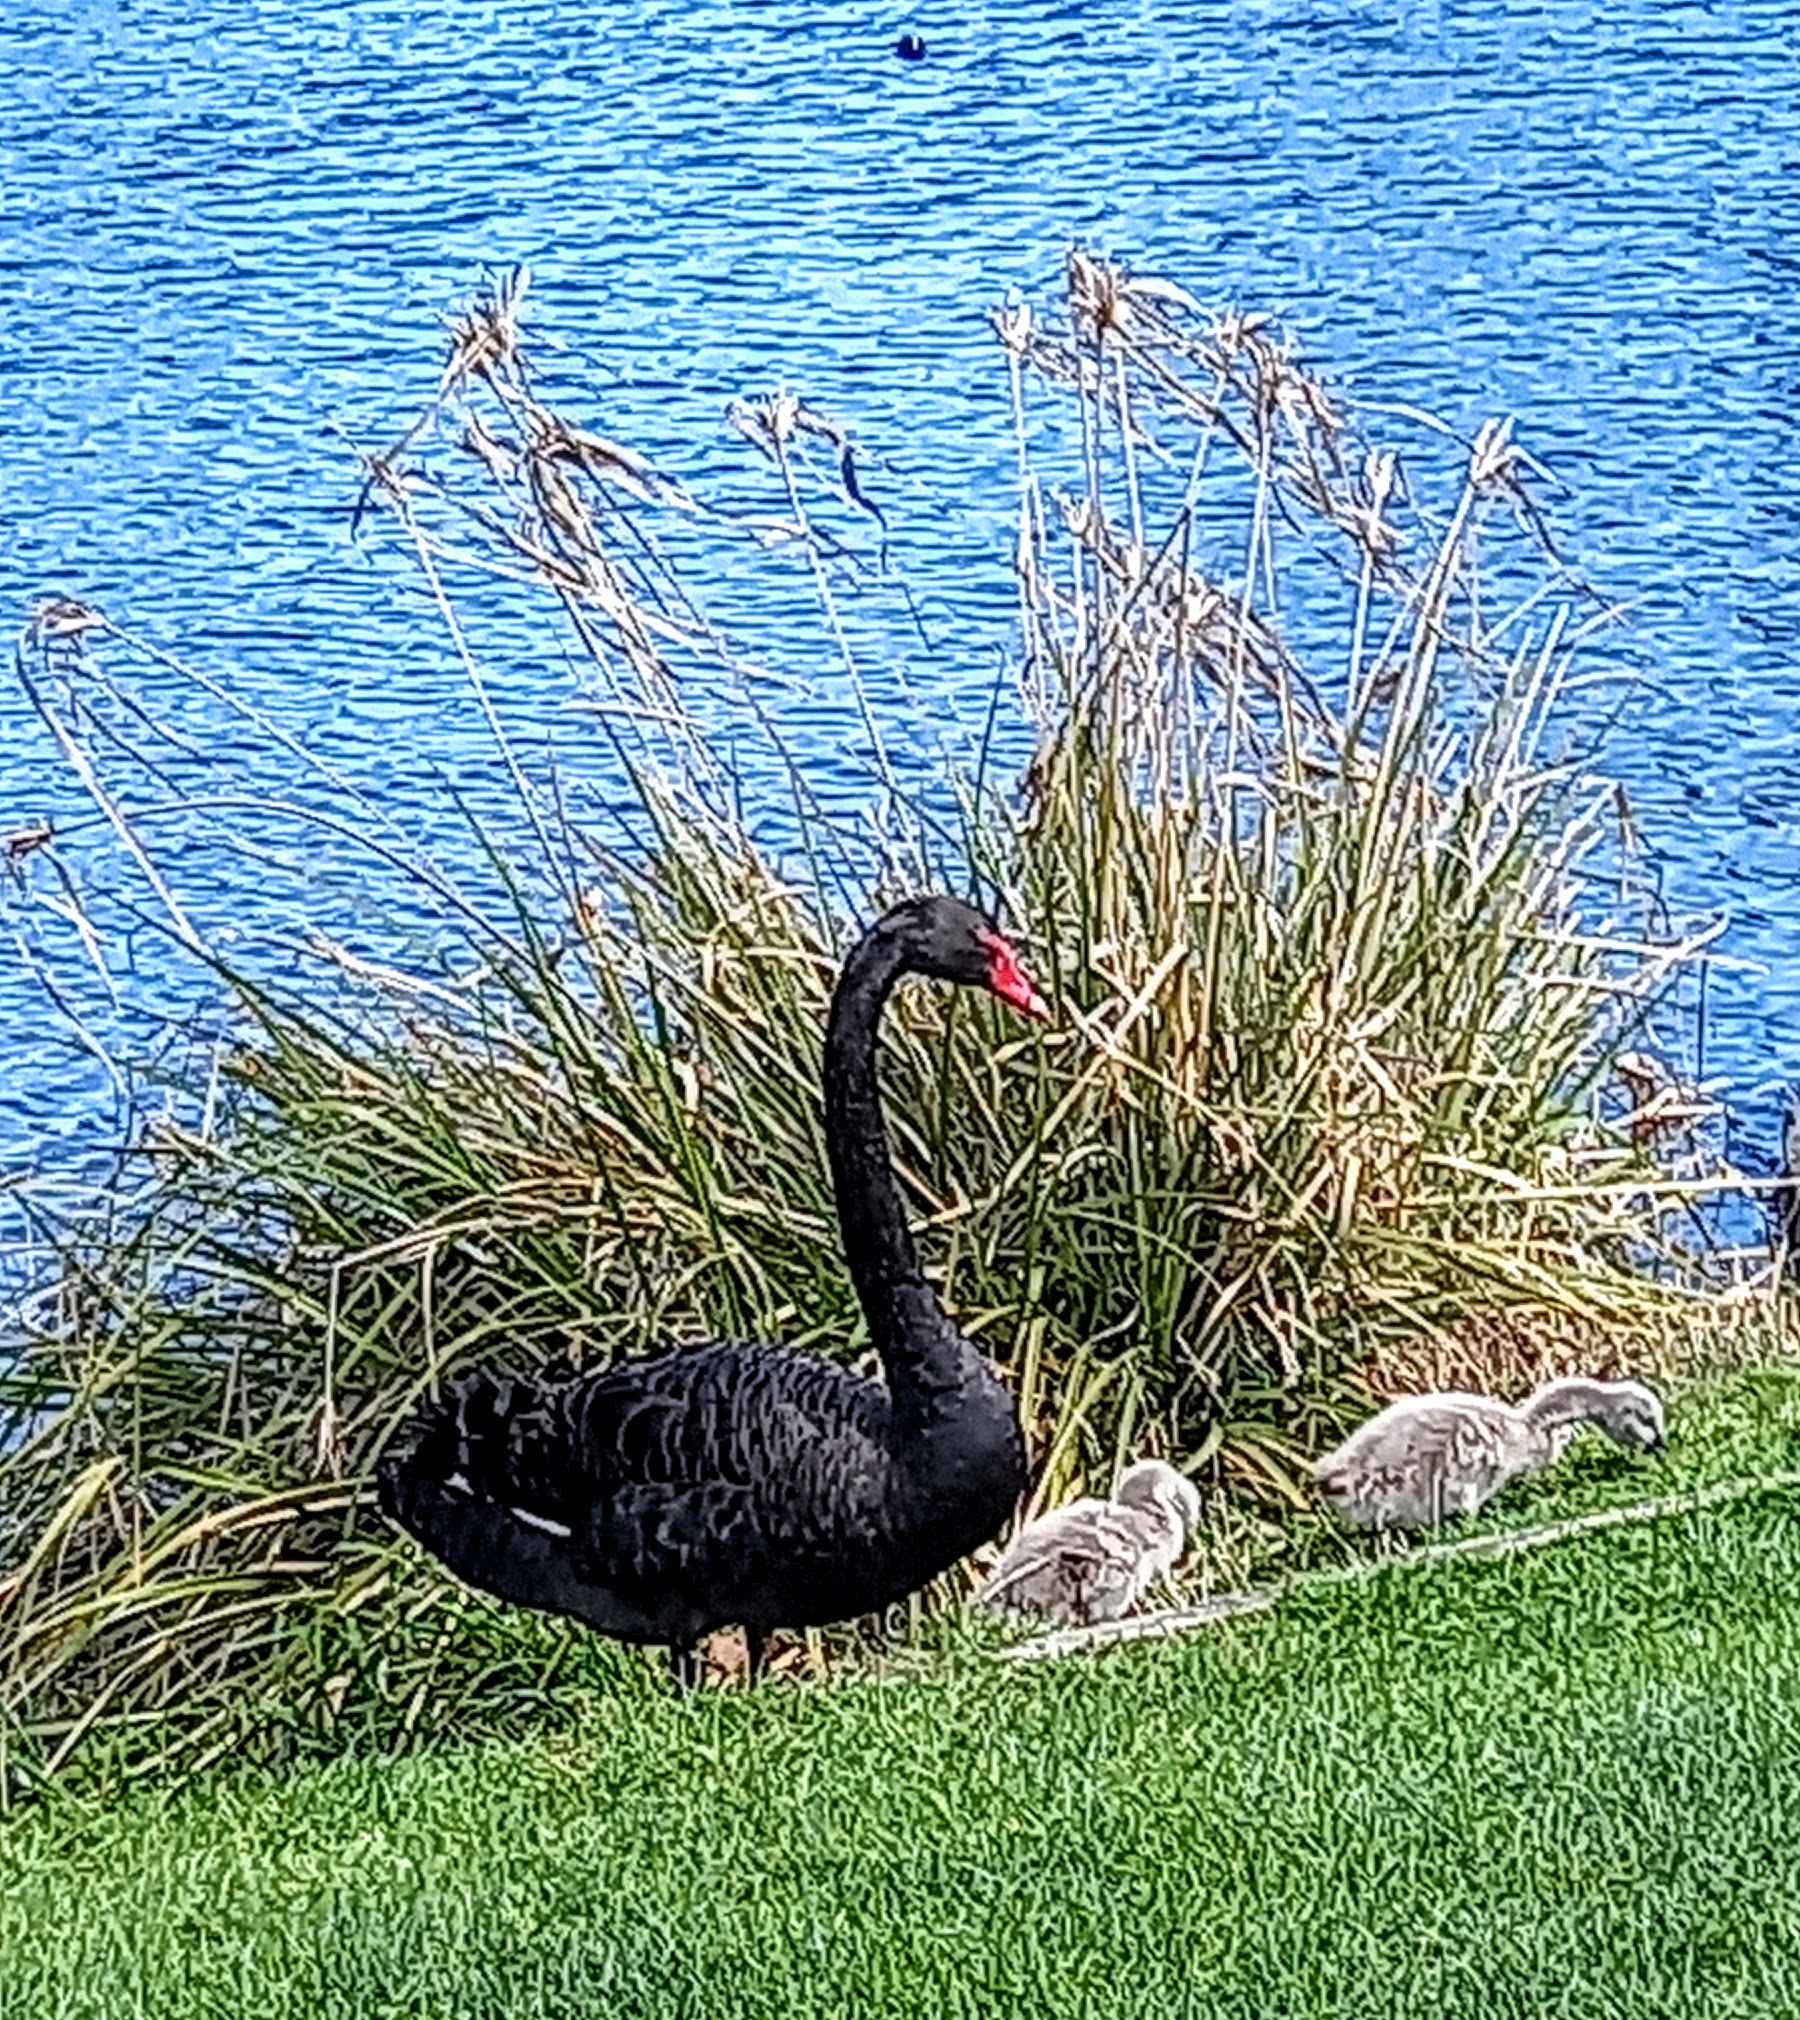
(1341, 945)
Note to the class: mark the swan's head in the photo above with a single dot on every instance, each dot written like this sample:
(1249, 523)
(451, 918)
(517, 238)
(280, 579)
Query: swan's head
(1159, 1489)
(953, 942)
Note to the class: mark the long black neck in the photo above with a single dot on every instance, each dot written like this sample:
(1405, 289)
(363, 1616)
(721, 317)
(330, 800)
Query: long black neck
(907, 1327)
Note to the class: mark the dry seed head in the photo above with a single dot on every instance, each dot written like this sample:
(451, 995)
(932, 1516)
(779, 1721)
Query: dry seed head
(1494, 459)
(485, 342)
(750, 419)
(783, 411)
(62, 617)
(1098, 295)
(1012, 325)
(767, 424)
(1374, 533)
(1237, 1145)
(1199, 604)
(1082, 516)
(1235, 330)
(326, 1439)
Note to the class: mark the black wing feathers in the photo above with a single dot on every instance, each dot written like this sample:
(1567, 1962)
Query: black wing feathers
(711, 1472)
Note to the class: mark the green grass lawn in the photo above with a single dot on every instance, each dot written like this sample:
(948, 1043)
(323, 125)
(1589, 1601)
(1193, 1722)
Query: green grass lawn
(1562, 1783)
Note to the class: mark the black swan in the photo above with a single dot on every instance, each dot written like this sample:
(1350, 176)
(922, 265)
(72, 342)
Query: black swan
(659, 1499)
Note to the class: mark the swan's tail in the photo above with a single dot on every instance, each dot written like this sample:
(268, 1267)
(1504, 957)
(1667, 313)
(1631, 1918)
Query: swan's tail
(456, 1490)
(496, 1440)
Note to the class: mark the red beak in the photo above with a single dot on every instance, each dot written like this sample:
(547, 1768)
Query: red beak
(1009, 981)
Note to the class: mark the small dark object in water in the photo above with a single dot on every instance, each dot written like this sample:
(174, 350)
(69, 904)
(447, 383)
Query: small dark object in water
(910, 48)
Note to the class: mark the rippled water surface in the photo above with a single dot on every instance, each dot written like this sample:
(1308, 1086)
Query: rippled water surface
(230, 231)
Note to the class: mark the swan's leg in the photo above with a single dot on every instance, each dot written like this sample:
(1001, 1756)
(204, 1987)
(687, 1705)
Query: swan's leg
(756, 1649)
(684, 1667)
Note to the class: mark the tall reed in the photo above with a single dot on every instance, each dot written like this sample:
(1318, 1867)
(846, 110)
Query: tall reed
(1341, 940)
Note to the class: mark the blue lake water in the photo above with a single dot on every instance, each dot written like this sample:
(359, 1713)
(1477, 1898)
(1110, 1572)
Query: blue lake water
(229, 232)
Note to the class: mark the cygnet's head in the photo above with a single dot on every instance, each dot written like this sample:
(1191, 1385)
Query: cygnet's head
(1157, 1488)
(1632, 1415)
(1629, 1413)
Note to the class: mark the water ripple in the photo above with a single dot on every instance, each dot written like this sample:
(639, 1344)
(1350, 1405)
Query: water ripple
(225, 229)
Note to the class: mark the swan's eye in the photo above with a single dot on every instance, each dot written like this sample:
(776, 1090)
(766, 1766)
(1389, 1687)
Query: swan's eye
(1009, 981)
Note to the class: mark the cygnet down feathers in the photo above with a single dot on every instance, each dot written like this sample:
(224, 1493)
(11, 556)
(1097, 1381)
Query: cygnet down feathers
(1427, 1458)
(1094, 1560)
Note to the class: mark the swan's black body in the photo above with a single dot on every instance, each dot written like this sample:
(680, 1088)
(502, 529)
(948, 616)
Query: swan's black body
(659, 1499)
